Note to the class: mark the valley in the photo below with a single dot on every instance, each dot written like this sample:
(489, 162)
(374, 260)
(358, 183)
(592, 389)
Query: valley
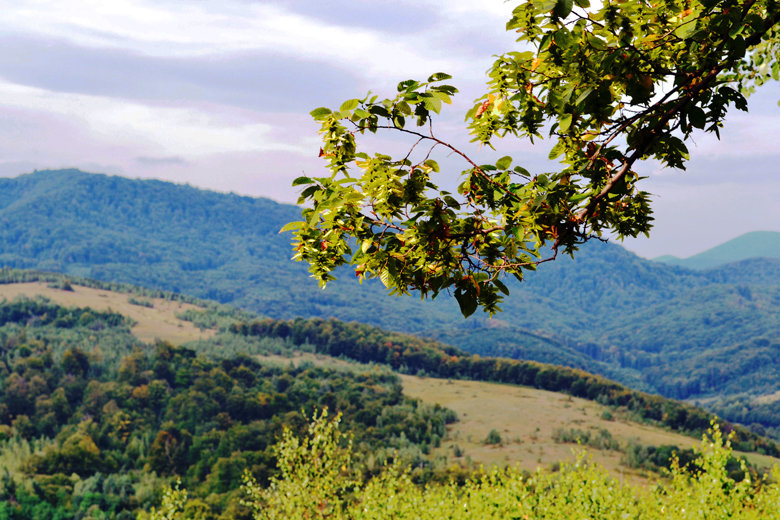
(576, 360)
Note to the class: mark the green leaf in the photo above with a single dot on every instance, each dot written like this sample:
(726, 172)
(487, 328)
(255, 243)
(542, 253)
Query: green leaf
(308, 192)
(360, 113)
(291, 226)
(545, 5)
(522, 171)
(467, 303)
(582, 97)
(439, 76)
(697, 117)
(596, 42)
(504, 163)
(433, 104)
(564, 123)
(404, 108)
(348, 105)
(379, 110)
(556, 151)
(384, 276)
(563, 8)
(408, 85)
(685, 30)
(451, 202)
(319, 113)
(442, 96)
(301, 180)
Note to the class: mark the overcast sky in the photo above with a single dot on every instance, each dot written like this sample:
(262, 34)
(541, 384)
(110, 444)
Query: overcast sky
(217, 94)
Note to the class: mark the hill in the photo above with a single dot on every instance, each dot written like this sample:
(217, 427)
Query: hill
(90, 416)
(756, 244)
(683, 333)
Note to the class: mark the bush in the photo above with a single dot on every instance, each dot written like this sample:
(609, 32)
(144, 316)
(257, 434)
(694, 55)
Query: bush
(318, 481)
(493, 437)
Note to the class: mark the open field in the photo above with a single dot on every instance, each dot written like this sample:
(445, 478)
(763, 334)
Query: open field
(526, 419)
(157, 322)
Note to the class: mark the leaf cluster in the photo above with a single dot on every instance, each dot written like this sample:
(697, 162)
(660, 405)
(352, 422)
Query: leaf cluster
(611, 85)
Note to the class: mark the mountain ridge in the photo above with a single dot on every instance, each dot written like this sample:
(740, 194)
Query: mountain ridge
(751, 245)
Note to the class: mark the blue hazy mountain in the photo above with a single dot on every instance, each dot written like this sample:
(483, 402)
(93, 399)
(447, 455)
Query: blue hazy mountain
(756, 244)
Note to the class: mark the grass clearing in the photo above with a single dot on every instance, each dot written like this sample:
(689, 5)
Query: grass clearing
(525, 418)
(157, 322)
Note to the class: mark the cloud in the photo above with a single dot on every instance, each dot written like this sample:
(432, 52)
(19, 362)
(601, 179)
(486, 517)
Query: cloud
(162, 161)
(255, 81)
(217, 29)
(187, 131)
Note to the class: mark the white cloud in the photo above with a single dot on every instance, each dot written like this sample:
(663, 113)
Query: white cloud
(185, 131)
(219, 28)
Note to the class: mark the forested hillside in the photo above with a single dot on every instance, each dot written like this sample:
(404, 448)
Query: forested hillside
(685, 334)
(94, 422)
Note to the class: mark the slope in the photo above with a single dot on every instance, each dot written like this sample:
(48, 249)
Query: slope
(646, 324)
(537, 427)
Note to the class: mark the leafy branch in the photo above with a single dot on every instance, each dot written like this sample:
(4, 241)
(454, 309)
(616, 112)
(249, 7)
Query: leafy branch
(611, 86)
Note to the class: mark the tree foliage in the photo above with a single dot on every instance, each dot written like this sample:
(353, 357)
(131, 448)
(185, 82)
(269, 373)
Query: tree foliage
(611, 84)
(314, 489)
(93, 423)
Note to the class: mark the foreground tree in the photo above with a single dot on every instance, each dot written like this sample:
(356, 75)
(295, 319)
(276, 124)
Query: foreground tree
(315, 484)
(612, 85)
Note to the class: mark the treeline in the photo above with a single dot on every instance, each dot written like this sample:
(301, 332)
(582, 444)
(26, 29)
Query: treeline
(88, 436)
(762, 416)
(411, 354)
(43, 312)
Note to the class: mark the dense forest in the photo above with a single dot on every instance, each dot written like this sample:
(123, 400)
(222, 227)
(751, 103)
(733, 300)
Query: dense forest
(94, 423)
(681, 333)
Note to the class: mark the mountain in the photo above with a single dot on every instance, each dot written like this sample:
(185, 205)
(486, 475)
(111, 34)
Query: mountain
(156, 234)
(680, 332)
(756, 244)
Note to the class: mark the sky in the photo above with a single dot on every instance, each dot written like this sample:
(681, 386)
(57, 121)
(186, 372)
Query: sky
(216, 94)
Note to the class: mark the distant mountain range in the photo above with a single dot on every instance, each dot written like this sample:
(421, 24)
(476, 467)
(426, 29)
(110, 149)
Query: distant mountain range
(756, 244)
(680, 332)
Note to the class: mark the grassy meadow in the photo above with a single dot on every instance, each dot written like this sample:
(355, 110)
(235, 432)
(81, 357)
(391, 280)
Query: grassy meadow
(158, 321)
